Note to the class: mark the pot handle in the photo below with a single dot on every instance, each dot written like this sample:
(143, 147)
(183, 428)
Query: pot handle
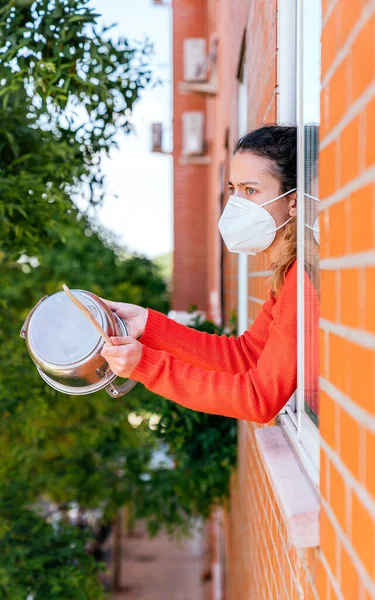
(116, 391)
(27, 320)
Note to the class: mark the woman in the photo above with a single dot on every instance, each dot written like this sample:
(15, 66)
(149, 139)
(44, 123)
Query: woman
(250, 377)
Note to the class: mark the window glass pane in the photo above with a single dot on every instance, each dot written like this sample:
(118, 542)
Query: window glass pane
(311, 120)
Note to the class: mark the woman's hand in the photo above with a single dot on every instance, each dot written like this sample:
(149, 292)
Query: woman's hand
(123, 356)
(134, 316)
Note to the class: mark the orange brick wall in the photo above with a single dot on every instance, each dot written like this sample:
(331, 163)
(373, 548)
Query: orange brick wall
(261, 563)
(347, 330)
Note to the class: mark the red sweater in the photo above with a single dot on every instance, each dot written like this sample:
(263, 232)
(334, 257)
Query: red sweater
(250, 377)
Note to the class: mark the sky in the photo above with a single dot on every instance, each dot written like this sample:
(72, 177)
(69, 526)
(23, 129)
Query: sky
(142, 212)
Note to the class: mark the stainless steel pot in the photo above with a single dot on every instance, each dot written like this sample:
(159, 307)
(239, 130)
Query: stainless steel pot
(65, 346)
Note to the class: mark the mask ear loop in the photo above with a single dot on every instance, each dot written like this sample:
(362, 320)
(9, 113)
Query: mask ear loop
(278, 197)
(274, 200)
(283, 225)
(280, 226)
(312, 197)
(286, 193)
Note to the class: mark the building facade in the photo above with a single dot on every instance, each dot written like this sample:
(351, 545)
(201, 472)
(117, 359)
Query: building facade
(239, 64)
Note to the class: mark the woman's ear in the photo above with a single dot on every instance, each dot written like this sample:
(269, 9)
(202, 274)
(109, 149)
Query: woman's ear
(292, 202)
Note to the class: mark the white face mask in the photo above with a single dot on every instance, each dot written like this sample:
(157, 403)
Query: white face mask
(247, 227)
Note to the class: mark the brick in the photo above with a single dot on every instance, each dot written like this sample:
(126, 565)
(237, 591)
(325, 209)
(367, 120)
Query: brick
(362, 232)
(347, 16)
(337, 229)
(370, 128)
(327, 178)
(328, 419)
(328, 295)
(349, 297)
(324, 469)
(329, 41)
(323, 352)
(338, 94)
(370, 463)
(310, 592)
(339, 362)
(362, 376)
(324, 233)
(338, 496)
(363, 71)
(313, 559)
(324, 111)
(328, 545)
(349, 442)
(349, 577)
(332, 593)
(349, 152)
(325, 4)
(322, 583)
(363, 534)
(370, 299)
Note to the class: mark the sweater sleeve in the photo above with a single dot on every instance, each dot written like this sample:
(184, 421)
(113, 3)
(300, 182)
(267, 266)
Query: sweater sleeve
(255, 395)
(209, 351)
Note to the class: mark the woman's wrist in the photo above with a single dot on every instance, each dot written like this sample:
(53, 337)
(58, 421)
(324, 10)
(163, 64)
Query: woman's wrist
(144, 322)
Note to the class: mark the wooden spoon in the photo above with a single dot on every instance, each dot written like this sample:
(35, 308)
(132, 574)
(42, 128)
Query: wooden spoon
(87, 313)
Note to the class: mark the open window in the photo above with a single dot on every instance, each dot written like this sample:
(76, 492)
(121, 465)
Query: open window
(157, 139)
(300, 417)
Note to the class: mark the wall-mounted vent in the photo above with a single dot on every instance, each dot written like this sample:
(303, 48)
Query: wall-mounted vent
(195, 59)
(200, 67)
(192, 133)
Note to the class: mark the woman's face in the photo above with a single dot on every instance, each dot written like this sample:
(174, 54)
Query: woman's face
(251, 178)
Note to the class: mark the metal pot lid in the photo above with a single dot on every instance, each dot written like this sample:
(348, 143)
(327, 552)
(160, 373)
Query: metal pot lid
(60, 334)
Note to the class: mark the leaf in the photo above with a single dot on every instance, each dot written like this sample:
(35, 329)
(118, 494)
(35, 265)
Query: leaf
(23, 3)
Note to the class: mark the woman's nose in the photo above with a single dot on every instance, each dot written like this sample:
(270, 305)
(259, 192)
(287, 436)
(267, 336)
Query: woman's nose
(240, 193)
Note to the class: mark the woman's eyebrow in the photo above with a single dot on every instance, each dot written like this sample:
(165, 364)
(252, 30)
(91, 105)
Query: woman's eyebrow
(245, 183)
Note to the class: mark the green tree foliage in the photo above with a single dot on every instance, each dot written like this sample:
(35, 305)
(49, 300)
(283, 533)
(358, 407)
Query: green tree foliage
(64, 449)
(66, 91)
(74, 435)
(36, 170)
(38, 560)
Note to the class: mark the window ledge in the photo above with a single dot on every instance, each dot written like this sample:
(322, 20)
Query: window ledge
(296, 497)
(195, 159)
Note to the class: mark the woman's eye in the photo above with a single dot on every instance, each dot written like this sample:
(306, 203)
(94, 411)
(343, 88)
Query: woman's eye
(231, 191)
(251, 192)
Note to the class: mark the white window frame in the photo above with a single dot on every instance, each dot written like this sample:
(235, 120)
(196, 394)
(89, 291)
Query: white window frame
(243, 264)
(302, 433)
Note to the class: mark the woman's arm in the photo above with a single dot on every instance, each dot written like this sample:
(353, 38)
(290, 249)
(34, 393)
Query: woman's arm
(255, 395)
(208, 351)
